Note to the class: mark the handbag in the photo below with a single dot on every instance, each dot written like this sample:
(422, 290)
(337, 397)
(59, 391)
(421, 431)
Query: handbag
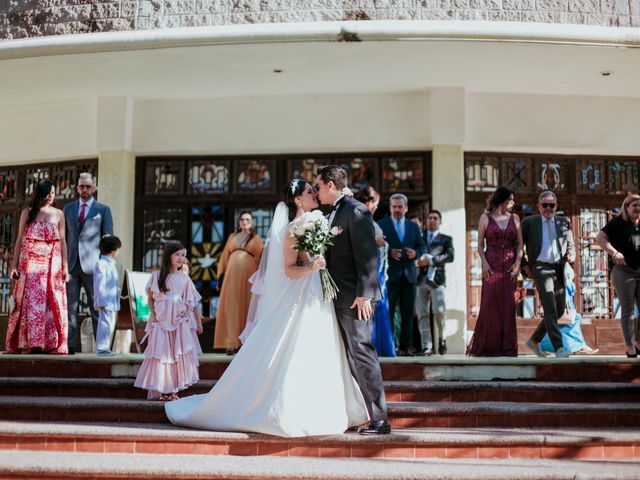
(568, 317)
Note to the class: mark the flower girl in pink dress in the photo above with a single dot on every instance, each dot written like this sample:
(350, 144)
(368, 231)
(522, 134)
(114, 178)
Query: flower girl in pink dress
(171, 357)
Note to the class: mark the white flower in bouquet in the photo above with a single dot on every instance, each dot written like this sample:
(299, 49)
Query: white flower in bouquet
(314, 236)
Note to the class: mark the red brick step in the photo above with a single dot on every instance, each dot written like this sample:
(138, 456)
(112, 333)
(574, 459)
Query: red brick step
(574, 369)
(416, 391)
(565, 443)
(402, 414)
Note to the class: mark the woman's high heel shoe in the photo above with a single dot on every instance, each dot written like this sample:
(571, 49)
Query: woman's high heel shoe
(632, 355)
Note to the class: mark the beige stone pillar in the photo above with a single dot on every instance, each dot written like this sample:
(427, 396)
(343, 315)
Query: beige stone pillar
(117, 168)
(116, 188)
(448, 198)
(447, 119)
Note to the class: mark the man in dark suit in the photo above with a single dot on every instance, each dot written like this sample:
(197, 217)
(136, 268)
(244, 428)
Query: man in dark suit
(405, 245)
(431, 284)
(87, 221)
(352, 261)
(548, 242)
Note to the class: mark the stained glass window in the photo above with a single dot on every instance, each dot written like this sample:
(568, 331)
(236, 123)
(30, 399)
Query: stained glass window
(591, 175)
(551, 175)
(159, 225)
(305, 168)
(256, 176)
(163, 177)
(7, 185)
(404, 175)
(207, 243)
(518, 175)
(63, 177)
(595, 288)
(361, 171)
(483, 174)
(6, 231)
(208, 176)
(623, 176)
(32, 177)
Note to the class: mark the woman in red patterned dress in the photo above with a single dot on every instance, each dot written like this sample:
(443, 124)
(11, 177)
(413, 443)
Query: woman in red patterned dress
(38, 323)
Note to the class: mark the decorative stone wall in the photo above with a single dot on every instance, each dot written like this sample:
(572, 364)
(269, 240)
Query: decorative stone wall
(33, 18)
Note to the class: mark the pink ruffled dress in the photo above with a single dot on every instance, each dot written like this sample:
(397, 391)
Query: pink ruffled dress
(171, 358)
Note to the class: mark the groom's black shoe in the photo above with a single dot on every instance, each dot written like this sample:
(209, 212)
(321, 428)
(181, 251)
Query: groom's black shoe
(379, 427)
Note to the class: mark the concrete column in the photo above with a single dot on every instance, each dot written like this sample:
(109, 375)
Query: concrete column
(116, 188)
(447, 119)
(116, 168)
(448, 198)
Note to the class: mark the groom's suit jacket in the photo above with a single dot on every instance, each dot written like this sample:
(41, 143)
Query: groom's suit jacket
(352, 261)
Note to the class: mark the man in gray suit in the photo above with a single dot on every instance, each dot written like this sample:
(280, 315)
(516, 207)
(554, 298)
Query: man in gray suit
(548, 241)
(87, 221)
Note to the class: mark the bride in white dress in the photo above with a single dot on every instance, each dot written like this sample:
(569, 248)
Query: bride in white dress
(291, 376)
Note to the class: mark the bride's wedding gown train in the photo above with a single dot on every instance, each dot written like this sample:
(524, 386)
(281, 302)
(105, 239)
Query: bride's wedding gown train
(290, 378)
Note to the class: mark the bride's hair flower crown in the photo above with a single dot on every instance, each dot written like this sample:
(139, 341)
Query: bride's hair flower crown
(346, 191)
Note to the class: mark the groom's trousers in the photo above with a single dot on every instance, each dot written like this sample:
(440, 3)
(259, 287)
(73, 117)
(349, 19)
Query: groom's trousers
(363, 360)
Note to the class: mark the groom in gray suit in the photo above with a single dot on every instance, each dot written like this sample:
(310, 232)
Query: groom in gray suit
(87, 221)
(548, 241)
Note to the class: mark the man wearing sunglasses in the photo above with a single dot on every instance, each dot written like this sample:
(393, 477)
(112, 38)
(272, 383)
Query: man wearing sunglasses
(548, 242)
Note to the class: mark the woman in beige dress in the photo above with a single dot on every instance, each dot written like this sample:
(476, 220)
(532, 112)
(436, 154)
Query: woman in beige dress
(239, 260)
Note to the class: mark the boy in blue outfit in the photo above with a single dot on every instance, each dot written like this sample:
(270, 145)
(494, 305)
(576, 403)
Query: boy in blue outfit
(106, 294)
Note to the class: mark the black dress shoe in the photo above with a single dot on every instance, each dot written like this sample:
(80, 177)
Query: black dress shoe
(425, 352)
(632, 355)
(72, 351)
(379, 427)
(442, 347)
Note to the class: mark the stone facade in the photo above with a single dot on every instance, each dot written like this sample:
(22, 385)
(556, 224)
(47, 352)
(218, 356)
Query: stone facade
(33, 18)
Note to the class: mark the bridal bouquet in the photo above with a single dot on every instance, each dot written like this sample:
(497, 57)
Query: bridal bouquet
(314, 236)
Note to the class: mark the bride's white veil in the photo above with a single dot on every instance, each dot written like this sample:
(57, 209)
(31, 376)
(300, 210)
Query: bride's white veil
(270, 276)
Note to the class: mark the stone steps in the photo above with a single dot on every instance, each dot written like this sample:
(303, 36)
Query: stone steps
(523, 418)
(396, 391)
(478, 443)
(79, 465)
(448, 367)
(402, 414)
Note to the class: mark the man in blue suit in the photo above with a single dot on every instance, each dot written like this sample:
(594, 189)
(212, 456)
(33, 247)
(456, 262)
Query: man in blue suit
(405, 245)
(87, 221)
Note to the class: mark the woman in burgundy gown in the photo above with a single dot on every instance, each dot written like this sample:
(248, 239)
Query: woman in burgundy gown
(495, 334)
